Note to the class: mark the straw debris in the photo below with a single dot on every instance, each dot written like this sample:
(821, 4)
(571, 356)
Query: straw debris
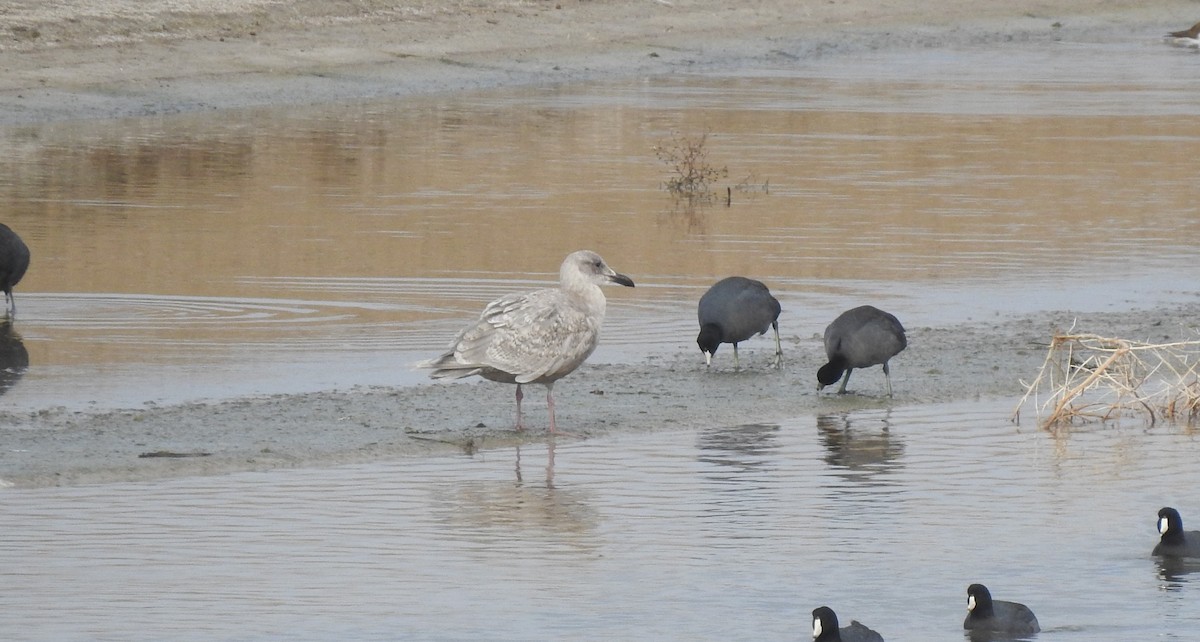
(1087, 377)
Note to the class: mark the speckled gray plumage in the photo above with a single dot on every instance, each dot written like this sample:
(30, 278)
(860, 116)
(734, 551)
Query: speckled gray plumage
(534, 337)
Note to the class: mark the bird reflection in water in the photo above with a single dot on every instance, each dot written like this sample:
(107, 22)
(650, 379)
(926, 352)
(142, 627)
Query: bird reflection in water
(743, 489)
(549, 464)
(859, 443)
(498, 513)
(1173, 571)
(740, 448)
(14, 358)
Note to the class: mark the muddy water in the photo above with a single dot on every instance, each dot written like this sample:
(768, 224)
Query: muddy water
(281, 251)
(722, 533)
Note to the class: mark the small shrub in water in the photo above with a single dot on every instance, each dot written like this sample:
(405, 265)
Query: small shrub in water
(692, 175)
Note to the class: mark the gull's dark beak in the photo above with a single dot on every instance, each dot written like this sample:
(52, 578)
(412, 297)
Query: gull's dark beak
(621, 279)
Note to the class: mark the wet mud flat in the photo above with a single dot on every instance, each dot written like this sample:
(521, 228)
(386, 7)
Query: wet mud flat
(960, 362)
(77, 60)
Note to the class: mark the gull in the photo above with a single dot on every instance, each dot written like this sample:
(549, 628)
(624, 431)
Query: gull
(534, 337)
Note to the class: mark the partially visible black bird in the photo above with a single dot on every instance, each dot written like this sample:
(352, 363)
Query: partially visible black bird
(825, 629)
(985, 615)
(1173, 541)
(733, 310)
(14, 260)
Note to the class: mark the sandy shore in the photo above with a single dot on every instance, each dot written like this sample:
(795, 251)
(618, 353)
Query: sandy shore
(82, 60)
(953, 364)
(73, 59)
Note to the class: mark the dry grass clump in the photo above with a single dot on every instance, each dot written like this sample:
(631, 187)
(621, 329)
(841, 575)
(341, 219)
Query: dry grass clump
(1087, 377)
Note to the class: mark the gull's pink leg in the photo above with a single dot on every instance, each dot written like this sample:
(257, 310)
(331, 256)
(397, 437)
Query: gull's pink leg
(550, 404)
(520, 396)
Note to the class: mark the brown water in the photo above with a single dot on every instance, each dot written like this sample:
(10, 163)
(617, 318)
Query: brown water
(288, 250)
(279, 251)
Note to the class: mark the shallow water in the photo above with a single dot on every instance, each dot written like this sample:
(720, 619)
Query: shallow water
(307, 249)
(291, 250)
(717, 533)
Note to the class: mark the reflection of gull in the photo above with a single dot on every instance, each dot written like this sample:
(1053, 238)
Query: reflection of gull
(549, 465)
(14, 358)
(500, 513)
(534, 337)
(733, 310)
(1189, 38)
(860, 338)
(14, 260)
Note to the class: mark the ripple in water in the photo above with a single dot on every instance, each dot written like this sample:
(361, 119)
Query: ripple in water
(719, 533)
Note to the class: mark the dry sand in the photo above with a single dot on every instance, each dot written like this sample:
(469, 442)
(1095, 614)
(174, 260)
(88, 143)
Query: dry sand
(82, 59)
(67, 59)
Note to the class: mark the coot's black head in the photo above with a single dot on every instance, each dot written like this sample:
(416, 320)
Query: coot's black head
(830, 372)
(825, 625)
(979, 600)
(1169, 522)
(708, 340)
